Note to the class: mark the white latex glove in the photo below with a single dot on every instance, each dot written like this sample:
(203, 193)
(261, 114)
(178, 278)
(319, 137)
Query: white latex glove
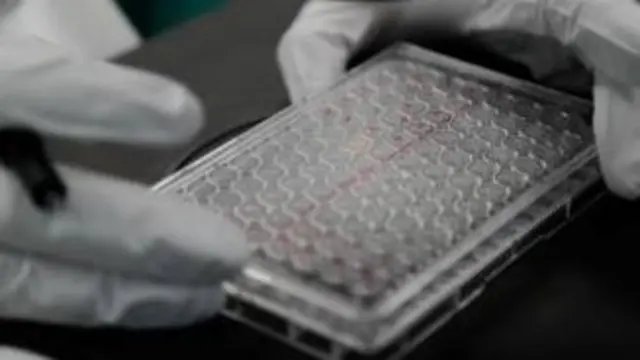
(7, 353)
(115, 254)
(96, 28)
(604, 34)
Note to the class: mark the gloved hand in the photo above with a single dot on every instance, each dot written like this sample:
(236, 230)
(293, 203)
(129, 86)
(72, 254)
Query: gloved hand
(603, 34)
(115, 253)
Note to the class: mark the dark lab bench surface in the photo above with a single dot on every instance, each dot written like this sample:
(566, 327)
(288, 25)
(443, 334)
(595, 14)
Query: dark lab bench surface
(574, 294)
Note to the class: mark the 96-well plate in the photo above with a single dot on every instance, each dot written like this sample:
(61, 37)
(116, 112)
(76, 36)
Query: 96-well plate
(357, 200)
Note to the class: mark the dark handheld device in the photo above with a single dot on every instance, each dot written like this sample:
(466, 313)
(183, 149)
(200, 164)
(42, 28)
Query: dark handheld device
(23, 152)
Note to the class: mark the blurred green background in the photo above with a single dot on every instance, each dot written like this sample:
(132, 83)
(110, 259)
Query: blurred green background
(152, 17)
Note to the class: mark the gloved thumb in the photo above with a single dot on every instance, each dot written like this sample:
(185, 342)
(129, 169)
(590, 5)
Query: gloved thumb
(313, 52)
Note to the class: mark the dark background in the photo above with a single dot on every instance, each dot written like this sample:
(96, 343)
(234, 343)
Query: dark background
(573, 295)
(153, 17)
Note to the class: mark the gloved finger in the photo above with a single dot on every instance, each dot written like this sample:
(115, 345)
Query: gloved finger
(123, 228)
(36, 289)
(617, 131)
(9, 353)
(56, 92)
(313, 52)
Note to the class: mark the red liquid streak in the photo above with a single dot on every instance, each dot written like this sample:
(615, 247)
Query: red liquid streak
(366, 172)
(361, 175)
(305, 212)
(348, 183)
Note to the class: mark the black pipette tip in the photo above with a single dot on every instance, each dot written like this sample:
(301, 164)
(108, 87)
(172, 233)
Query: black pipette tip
(22, 151)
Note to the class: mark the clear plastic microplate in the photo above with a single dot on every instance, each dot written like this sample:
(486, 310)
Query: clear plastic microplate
(379, 203)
